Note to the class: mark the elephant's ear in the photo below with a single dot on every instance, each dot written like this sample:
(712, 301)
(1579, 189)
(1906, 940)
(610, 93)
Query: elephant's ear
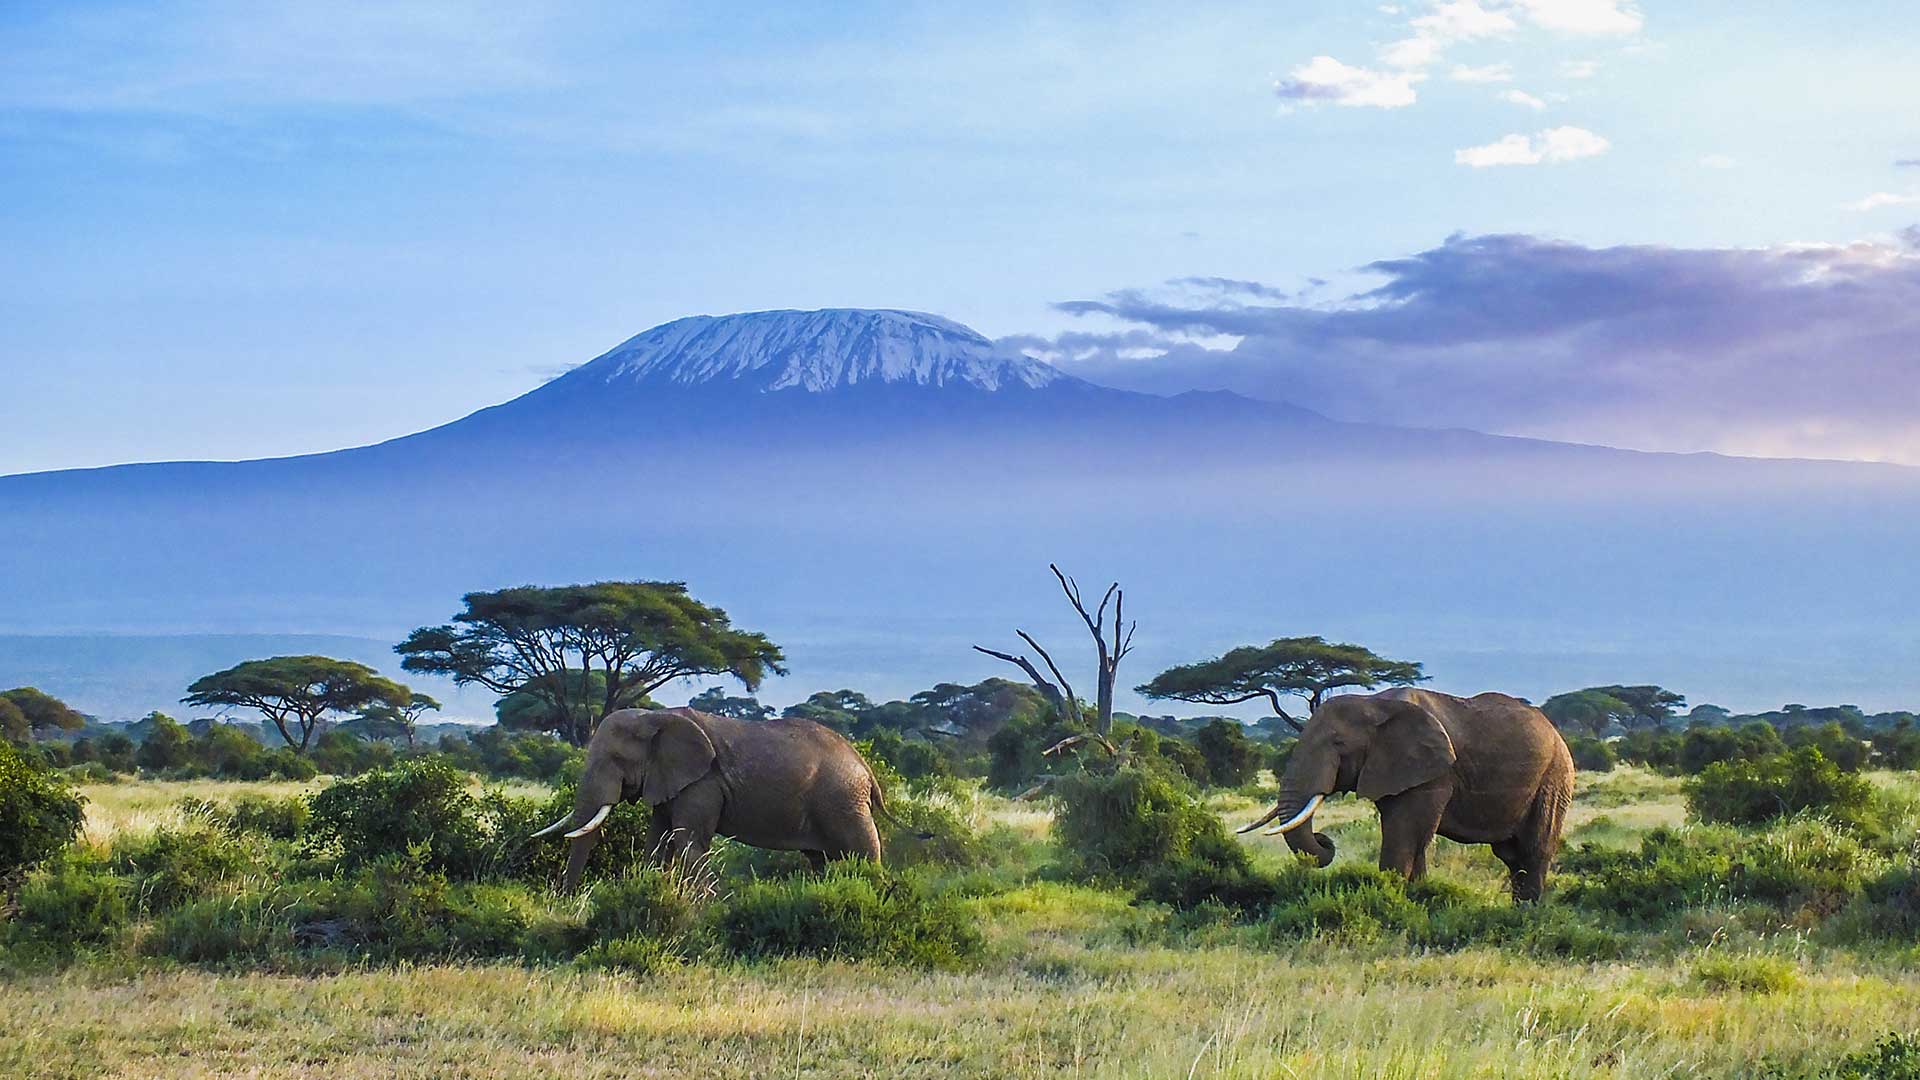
(1409, 749)
(681, 753)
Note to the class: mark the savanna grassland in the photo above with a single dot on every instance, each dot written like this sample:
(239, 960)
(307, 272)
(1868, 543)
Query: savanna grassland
(1067, 978)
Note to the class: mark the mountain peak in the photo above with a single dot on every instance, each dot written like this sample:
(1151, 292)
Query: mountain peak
(817, 351)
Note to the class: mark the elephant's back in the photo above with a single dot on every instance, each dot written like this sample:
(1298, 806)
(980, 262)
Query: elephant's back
(1526, 731)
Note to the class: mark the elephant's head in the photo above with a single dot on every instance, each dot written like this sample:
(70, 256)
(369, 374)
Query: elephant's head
(634, 754)
(1375, 745)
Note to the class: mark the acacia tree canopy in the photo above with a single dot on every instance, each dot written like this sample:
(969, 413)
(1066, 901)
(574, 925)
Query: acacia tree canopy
(295, 692)
(39, 711)
(1303, 667)
(1596, 707)
(385, 720)
(551, 642)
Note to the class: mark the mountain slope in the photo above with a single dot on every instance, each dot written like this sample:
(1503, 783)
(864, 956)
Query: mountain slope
(879, 490)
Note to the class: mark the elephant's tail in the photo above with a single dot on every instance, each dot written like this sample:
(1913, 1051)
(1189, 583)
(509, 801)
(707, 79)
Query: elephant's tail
(878, 801)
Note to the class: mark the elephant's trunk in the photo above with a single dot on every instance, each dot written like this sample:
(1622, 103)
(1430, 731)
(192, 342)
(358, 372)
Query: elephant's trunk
(1309, 777)
(577, 851)
(1307, 842)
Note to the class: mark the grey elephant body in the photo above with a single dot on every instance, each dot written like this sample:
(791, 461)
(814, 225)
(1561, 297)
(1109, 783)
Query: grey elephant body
(1490, 769)
(787, 785)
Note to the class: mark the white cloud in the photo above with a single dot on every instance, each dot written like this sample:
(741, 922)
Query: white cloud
(1717, 161)
(1521, 97)
(1549, 147)
(1491, 73)
(1462, 20)
(1579, 69)
(1591, 17)
(1880, 199)
(1324, 80)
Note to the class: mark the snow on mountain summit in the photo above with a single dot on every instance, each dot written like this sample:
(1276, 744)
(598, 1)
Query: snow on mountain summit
(817, 351)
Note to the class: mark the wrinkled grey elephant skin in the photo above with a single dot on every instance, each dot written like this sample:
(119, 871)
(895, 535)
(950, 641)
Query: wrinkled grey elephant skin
(1488, 769)
(787, 785)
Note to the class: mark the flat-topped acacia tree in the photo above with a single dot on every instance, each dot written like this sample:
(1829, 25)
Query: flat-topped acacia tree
(296, 692)
(1302, 667)
(551, 642)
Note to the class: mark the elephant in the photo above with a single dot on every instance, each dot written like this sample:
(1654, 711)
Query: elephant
(788, 785)
(1489, 769)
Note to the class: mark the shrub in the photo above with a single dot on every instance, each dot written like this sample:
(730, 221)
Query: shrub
(1751, 792)
(631, 955)
(929, 834)
(247, 926)
(1807, 866)
(1125, 823)
(278, 819)
(1356, 903)
(343, 753)
(420, 802)
(1665, 875)
(854, 912)
(1710, 745)
(1896, 1057)
(1848, 752)
(72, 902)
(1592, 755)
(1657, 750)
(170, 866)
(39, 813)
(1746, 974)
(512, 851)
(1232, 759)
(649, 902)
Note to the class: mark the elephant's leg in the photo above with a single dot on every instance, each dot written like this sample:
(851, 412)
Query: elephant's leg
(1407, 824)
(659, 826)
(1514, 854)
(695, 816)
(852, 834)
(818, 859)
(1538, 842)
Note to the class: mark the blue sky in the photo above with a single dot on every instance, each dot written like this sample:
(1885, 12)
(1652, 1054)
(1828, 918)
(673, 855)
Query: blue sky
(234, 232)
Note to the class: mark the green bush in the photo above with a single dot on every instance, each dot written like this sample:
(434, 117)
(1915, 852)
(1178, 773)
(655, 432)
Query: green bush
(71, 902)
(1124, 824)
(396, 908)
(1231, 758)
(648, 902)
(929, 834)
(1896, 1057)
(1592, 755)
(511, 850)
(39, 813)
(1847, 751)
(630, 955)
(854, 912)
(277, 819)
(420, 802)
(1666, 874)
(1712, 744)
(1806, 866)
(222, 929)
(1745, 974)
(1751, 792)
(170, 866)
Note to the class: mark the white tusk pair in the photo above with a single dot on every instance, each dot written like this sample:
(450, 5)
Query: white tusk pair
(1293, 822)
(556, 826)
(592, 824)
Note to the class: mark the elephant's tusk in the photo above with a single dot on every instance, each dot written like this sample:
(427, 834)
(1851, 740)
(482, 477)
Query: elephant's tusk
(1293, 822)
(1268, 816)
(556, 826)
(592, 824)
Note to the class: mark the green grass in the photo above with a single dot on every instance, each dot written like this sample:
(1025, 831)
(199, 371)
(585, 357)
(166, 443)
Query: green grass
(1073, 980)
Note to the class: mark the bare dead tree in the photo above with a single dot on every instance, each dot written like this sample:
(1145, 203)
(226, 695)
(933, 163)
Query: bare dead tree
(1108, 654)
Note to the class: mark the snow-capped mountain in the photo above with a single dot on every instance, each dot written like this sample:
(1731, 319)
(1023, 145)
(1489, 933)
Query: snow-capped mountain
(816, 351)
(879, 490)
